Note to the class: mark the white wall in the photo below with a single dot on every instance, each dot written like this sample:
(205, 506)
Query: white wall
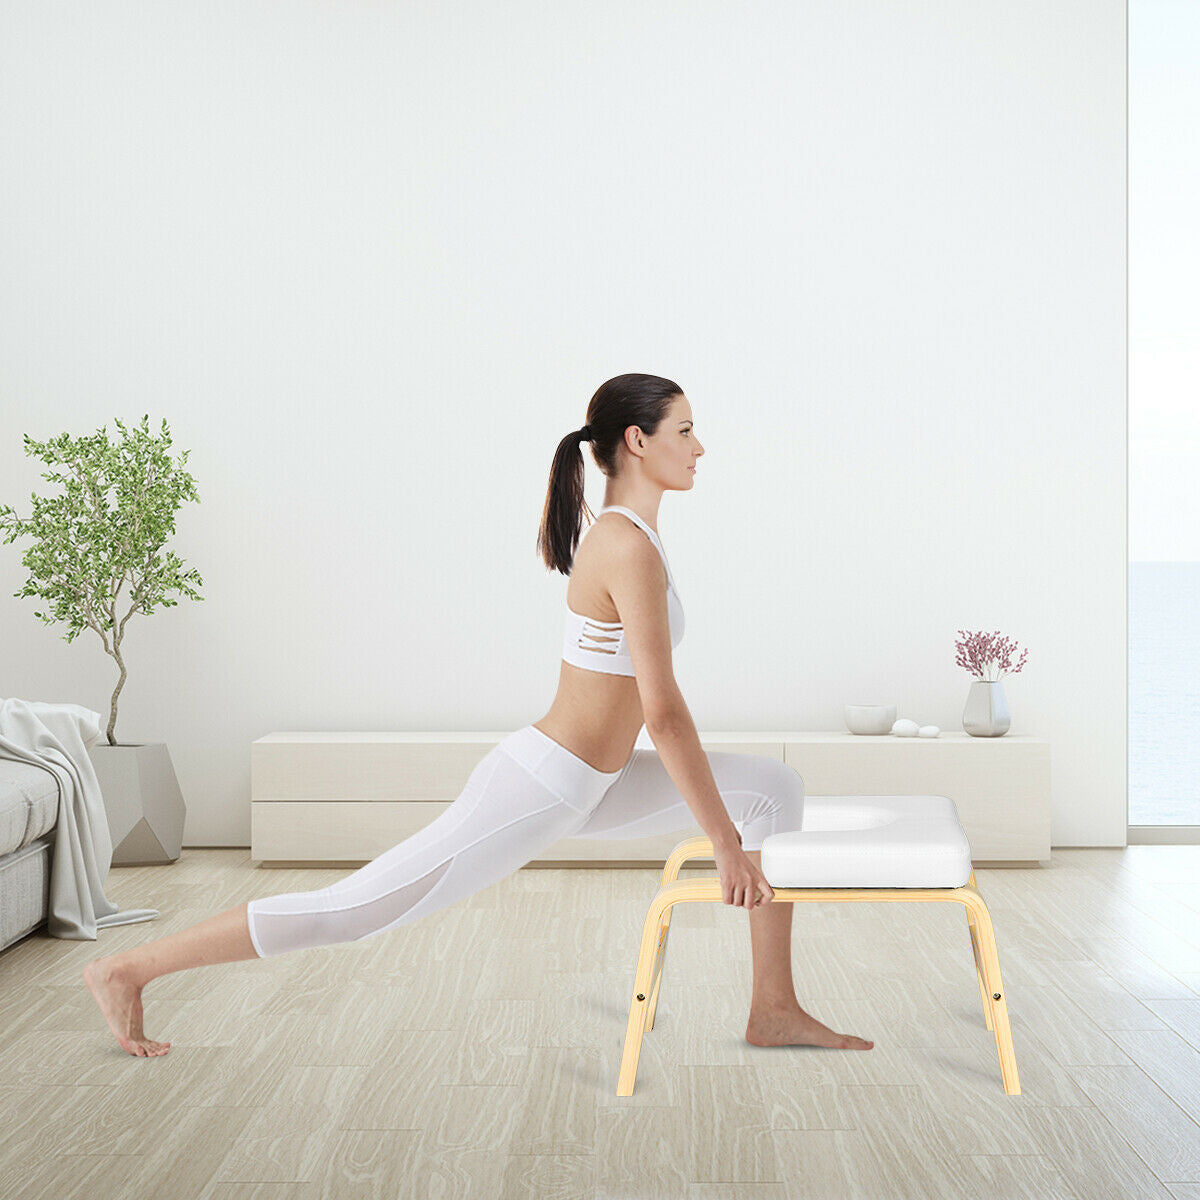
(371, 260)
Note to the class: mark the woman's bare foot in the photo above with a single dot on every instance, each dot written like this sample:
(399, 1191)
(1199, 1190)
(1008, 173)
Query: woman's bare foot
(794, 1027)
(120, 1001)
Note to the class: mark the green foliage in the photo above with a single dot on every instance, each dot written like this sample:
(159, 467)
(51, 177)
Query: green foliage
(86, 549)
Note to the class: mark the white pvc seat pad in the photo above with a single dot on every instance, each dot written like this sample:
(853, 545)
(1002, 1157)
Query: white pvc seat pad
(871, 842)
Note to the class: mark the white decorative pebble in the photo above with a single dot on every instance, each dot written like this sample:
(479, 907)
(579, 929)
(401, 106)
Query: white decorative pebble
(928, 731)
(905, 728)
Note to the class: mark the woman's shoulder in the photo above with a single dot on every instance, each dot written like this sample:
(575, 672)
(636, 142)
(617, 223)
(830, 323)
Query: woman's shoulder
(614, 544)
(613, 532)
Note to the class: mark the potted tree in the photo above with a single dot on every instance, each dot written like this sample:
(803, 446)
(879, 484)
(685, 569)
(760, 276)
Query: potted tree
(84, 551)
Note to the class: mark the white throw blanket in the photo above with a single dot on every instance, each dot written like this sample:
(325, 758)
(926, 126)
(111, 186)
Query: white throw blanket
(56, 737)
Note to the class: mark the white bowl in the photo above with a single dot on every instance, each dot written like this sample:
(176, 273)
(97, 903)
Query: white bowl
(870, 718)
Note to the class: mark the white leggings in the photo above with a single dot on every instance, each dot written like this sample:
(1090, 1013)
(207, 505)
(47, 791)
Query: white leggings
(524, 795)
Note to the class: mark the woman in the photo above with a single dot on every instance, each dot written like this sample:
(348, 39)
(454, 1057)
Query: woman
(574, 772)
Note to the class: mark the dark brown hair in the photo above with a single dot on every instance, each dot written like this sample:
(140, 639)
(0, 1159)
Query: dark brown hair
(624, 400)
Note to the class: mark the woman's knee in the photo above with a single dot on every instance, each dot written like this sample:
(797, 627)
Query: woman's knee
(348, 911)
(778, 805)
(786, 787)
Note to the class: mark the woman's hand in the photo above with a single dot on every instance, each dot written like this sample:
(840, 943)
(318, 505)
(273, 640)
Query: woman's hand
(742, 883)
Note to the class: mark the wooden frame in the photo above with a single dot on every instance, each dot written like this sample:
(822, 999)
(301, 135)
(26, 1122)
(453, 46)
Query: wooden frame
(674, 891)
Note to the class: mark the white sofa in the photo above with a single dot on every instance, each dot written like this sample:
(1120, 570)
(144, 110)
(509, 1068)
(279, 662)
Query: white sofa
(28, 812)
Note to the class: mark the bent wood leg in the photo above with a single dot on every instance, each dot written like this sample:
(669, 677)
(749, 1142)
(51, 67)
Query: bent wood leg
(986, 938)
(979, 973)
(696, 847)
(681, 891)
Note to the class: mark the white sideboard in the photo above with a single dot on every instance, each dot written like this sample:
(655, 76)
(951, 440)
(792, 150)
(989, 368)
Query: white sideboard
(341, 799)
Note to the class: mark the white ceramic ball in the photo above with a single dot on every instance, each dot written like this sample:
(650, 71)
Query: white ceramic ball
(928, 731)
(905, 728)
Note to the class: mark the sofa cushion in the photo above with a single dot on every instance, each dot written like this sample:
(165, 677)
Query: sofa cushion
(28, 803)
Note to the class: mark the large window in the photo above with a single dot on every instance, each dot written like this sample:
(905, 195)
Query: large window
(1164, 420)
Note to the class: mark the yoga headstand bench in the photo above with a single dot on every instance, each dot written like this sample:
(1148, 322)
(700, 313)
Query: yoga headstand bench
(870, 848)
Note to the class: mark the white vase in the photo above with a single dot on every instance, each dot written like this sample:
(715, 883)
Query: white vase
(986, 713)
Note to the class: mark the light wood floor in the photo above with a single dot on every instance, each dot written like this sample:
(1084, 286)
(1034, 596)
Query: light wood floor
(475, 1054)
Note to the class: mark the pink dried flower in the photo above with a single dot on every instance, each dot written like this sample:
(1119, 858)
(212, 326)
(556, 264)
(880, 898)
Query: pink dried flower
(987, 655)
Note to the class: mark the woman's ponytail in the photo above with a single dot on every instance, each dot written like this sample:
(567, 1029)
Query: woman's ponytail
(562, 512)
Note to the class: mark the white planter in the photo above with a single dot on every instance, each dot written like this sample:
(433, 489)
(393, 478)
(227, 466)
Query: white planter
(142, 802)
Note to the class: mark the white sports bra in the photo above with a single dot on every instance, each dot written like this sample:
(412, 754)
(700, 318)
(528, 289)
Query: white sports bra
(600, 645)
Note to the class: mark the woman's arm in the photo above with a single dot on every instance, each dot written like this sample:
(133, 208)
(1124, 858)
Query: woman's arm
(641, 600)
(636, 585)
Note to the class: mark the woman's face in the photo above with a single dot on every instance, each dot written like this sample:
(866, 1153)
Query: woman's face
(671, 454)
